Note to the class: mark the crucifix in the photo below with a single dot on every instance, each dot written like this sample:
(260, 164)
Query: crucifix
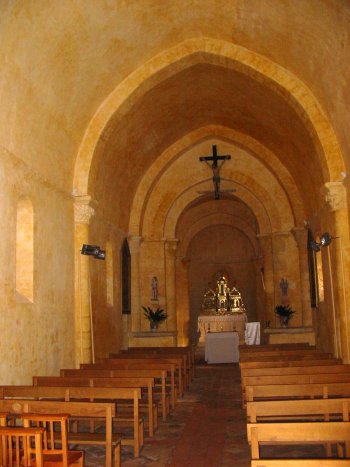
(216, 170)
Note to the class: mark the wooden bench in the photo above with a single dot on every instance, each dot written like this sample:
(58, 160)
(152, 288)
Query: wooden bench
(300, 463)
(90, 394)
(285, 355)
(294, 379)
(292, 345)
(159, 375)
(306, 409)
(293, 391)
(131, 382)
(295, 370)
(287, 363)
(298, 433)
(93, 410)
(189, 351)
(151, 359)
(132, 364)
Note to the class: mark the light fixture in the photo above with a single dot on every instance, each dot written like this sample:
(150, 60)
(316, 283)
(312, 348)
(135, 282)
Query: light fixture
(315, 246)
(93, 250)
(325, 240)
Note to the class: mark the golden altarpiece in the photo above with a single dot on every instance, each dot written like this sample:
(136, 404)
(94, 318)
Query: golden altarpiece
(222, 310)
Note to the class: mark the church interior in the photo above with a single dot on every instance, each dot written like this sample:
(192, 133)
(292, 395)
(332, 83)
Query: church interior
(178, 143)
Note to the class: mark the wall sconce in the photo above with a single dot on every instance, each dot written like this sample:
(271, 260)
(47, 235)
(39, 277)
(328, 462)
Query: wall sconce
(325, 240)
(93, 250)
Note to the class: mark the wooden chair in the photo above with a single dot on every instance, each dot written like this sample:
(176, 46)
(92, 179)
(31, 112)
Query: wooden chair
(55, 439)
(21, 446)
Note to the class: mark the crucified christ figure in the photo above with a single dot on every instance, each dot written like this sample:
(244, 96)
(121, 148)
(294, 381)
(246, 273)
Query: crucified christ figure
(215, 167)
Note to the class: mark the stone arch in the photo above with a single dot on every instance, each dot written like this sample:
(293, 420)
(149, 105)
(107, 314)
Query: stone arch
(223, 53)
(212, 219)
(250, 145)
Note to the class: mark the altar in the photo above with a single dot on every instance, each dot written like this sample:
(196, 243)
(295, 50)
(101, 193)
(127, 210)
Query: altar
(221, 347)
(217, 323)
(223, 310)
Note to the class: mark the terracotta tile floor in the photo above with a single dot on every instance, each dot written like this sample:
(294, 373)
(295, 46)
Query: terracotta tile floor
(207, 429)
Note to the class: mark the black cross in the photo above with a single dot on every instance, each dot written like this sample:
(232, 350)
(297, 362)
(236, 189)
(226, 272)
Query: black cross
(215, 168)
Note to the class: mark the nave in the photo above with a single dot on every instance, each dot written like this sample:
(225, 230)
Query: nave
(207, 429)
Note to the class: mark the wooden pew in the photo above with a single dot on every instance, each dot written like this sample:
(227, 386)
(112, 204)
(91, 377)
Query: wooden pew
(189, 351)
(176, 361)
(300, 463)
(261, 347)
(297, 379)
(293, 379)
(86, 393)
(299, 409)
(158, 374)
(285, 355)
(298, 433)
(163, 352)
(131, 364)
(287, 363)
(293, 391)
(296, 370)
(131, 382)
(100, 410)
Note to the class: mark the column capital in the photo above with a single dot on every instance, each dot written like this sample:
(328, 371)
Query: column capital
(171, 244)
(135, 243)
(83, 209)
(334, 194)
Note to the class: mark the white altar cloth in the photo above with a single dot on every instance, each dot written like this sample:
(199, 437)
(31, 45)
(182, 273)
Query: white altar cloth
(221, 347)
(252, 333)
(221, 323)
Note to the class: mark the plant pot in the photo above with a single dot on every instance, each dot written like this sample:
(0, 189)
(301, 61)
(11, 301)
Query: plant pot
(153, 325)
(284, 320)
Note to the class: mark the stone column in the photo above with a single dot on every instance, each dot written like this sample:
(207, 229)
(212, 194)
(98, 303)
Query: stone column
(134, 245)
(265, 242)
(300, 236)
(338, 255)
(83, 211)
(170, 252)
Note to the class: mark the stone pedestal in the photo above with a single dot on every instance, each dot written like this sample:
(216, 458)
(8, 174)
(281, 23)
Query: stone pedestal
(290, 335)
(152, 339)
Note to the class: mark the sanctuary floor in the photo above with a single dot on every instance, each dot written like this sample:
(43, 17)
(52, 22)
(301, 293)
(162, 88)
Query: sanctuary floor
(207, 429)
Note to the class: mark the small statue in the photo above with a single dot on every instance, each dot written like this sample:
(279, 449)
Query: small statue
(284, 286)
(154, 288)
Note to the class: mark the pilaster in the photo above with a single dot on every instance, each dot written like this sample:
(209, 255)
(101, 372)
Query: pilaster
(170, 246)
(83, 212)
(265, 242)
(300, 236)
(338, 255)
(135, 246)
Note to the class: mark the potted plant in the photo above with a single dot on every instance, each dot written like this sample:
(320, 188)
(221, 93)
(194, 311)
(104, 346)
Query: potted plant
(285, 313)
(155, 317)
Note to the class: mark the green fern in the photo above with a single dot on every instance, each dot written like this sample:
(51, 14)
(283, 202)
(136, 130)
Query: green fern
(155, 316)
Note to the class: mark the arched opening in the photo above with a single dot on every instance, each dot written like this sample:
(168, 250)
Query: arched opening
(126, 278)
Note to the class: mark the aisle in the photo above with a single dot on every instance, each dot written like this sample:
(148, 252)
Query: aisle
(207, 428)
